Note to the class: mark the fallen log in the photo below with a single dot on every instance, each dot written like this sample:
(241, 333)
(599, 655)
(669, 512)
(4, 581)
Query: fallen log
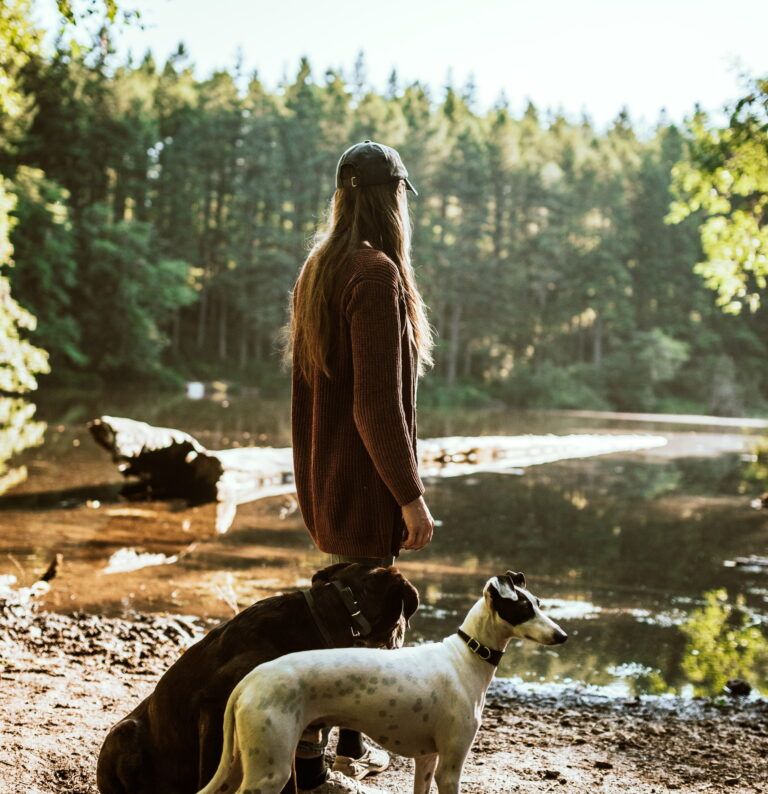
(166, 463)
(752, 564)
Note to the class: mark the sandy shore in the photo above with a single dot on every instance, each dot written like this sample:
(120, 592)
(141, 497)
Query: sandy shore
(67, 678)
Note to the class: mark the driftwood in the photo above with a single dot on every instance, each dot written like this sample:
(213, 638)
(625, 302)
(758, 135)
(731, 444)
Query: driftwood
(166, 463)
(752, 564)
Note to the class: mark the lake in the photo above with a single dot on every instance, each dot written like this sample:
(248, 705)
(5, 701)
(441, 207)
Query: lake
(630, 551)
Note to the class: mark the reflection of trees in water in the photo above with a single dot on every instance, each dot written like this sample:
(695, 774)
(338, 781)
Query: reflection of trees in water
(18, 431)
(717, 641)
(596, 652)
(757, 469)
(603, 523)
(723, 643)
(624, 534)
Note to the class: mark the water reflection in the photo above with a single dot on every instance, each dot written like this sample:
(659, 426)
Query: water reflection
(757, 470)
(620, 548)
(723, 642)
(621, 552)
(628, 525)
(18, 431)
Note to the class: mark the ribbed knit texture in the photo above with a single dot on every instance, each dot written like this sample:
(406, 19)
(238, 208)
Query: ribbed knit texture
(354, 434)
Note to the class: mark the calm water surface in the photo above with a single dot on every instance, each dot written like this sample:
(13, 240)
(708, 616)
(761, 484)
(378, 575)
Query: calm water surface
(627, 551)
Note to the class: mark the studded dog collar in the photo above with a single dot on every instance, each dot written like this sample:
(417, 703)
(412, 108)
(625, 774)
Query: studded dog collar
(490, 655)
(360, 627)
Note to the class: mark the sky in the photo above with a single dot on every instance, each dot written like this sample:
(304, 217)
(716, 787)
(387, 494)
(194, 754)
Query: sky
(592, 56)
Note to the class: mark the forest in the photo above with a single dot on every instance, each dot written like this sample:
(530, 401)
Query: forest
(158, 220)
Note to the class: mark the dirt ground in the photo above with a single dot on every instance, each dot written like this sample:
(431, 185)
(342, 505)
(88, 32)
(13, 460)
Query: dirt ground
(65, 679)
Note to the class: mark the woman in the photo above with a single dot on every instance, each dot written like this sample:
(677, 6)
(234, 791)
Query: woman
(359, 339)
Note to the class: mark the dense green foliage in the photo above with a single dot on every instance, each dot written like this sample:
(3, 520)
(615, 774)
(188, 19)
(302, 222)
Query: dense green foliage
(726, 176)
(20, 360)
(163, 218)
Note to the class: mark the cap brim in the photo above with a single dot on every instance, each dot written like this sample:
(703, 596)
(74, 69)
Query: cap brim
(410, 187)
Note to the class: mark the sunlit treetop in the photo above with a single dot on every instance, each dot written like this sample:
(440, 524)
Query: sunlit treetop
(725, 178)
(74, 10)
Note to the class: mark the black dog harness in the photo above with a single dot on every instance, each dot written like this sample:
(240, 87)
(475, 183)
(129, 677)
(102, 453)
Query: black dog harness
(490, 655)
(360, 626)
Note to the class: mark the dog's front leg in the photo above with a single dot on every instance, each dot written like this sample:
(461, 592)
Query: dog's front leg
(425, 771)
(448, 775)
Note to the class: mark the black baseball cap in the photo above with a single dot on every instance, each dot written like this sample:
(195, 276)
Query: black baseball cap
(372, 163)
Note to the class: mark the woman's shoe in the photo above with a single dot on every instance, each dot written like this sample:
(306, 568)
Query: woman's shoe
(373, 761)
(337, 783)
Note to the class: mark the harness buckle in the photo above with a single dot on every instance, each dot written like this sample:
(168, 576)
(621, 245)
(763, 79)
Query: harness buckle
(360, 626)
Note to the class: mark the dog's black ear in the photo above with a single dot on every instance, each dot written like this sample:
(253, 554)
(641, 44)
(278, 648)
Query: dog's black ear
(410, 597)
(497, 598)
(325, 575)
(517, 579)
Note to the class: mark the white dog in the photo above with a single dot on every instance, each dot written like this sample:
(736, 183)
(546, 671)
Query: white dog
(424, 702)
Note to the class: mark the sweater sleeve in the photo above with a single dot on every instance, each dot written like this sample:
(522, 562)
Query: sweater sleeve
(373, 312)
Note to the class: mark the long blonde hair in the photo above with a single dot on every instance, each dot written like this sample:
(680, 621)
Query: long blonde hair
(377, 214)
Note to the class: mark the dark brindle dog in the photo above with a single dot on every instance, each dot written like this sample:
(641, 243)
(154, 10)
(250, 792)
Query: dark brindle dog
(171, 742)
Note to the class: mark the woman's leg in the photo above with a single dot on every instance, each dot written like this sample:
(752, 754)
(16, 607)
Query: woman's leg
(311, 769)
(351, 743)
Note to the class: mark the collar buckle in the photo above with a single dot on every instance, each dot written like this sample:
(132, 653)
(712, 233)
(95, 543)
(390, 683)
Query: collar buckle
(482, 651)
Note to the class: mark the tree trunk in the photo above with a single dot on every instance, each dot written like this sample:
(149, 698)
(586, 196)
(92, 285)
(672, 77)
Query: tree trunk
(223, 328)
(498, 224)
(175, 331)
(467, 367)
(118, 210)
(256, 342)
(455, 340)
(243, 363)
(202, 318)
(597, 342)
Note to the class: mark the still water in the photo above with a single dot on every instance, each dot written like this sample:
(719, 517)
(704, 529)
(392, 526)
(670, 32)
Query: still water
(628, 551)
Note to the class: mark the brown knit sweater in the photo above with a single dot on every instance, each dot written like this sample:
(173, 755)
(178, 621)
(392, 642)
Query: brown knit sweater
(354, 434)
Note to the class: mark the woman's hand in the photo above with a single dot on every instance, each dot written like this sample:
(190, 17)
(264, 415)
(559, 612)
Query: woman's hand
(419, 524)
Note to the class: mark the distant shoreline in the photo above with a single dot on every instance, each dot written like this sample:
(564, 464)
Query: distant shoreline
(751, 423)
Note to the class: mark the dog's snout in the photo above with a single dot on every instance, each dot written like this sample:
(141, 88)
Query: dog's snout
(560, 637)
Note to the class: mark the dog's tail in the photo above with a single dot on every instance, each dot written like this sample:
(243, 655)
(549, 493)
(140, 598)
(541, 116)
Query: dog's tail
(228, 751)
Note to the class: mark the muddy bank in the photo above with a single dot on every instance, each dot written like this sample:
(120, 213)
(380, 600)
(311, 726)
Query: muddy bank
(66, 678)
